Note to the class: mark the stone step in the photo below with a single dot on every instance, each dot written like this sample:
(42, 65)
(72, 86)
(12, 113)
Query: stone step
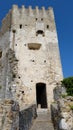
(43, 121)
(42, 126)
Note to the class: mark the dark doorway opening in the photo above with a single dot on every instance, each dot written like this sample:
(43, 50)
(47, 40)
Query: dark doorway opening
(41, 95)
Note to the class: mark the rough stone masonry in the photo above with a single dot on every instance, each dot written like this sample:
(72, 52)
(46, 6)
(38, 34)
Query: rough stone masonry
(30, 63)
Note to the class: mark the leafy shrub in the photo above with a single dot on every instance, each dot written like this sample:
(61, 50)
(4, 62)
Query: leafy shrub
(68, 83)
(63, 95)
(71, 107)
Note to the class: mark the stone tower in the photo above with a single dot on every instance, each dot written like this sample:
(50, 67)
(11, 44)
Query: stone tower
(30, 63)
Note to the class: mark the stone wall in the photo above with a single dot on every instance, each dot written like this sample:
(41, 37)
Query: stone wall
(12, 73)
(62, 114)
(11, 118)
(26, 117)
(6, 24)
(4, 46)
(9, 115)
(59, 91)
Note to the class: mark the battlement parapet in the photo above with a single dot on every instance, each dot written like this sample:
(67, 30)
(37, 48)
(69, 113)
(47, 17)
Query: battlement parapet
(24, 15)
(30, 10)
(34, 12)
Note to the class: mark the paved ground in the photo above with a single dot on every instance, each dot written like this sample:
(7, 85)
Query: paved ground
(43, 121)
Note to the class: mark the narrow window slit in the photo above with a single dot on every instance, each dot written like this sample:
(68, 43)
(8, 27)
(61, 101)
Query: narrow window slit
(47, 26)
(20, 26)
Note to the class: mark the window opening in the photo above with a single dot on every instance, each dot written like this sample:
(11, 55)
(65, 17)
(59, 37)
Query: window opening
(47, 26)
(44, 61)
(31, 80)
(33, 60)
(0, 53)
(14, 31)
(20, 26)
(34, 46)
(22, 91)
(40, 32)
(14, 76)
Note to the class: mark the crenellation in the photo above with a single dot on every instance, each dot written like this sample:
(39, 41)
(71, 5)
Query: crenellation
(44, 12)
(36, 11)
(30, 11)
(51, 13)
(23, 12)
(15, 7)
(24, 16)
(15, 16)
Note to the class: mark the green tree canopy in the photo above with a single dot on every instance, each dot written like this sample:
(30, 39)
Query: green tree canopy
(68, 84)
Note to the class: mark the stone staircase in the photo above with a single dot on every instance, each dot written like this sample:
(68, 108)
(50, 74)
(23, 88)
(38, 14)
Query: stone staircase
(43, 120)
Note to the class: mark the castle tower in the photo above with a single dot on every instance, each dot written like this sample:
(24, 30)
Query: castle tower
(29, 56)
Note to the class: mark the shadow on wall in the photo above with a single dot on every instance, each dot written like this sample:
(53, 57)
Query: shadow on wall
(26, 117)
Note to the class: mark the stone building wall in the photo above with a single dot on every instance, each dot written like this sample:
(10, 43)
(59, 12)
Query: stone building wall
(9, 115)
(11, 118)
(4, 45)
(62, 113)
(32, 37)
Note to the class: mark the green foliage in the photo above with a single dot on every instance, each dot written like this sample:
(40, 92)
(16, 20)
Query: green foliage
(68, 83)
(71, 107)
(63, 95)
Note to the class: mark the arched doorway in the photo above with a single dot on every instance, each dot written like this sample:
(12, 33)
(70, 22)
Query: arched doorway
(41, 97)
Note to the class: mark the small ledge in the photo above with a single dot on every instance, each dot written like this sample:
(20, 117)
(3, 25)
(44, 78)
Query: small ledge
(34, 46)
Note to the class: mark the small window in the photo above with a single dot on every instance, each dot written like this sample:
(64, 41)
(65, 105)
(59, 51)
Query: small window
(31, 80)
(34, 46)
(33, 60)
(14, 76)
(22, 92)
(41, 19)
(14, 31)
(0, 53)
(44, 61)
(40, 32)
(20, 26)
(47, 26)
(25, 24)
(36, 19)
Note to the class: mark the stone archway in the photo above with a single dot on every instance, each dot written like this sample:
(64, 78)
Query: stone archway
(41, 96)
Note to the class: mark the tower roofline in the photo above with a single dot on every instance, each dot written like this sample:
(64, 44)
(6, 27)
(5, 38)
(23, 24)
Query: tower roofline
(15, 13)
(23, 6)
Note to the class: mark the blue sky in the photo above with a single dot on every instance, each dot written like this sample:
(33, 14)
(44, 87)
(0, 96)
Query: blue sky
(63, 10)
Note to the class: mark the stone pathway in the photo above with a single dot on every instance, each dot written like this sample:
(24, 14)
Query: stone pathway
(43, 121)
